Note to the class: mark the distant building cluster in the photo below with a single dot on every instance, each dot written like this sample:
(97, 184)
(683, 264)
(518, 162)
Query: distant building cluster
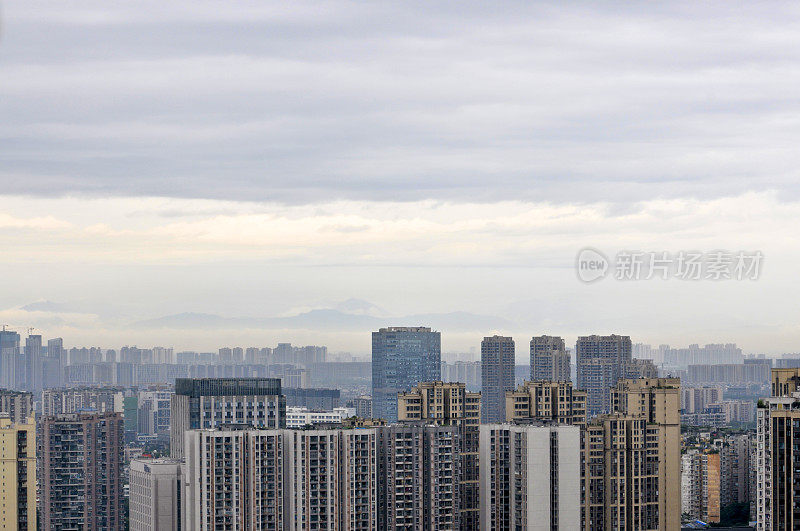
(281, 438)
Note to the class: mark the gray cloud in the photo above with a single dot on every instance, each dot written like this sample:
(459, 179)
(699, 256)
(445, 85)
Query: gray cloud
(305, 102)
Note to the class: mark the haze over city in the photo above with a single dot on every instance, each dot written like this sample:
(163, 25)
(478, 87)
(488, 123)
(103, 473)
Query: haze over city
(199, 174)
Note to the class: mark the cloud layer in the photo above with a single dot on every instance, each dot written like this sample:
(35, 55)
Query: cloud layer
(258, 160)
(308, 102)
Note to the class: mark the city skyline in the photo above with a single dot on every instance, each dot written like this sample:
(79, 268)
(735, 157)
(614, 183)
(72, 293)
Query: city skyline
(399, 265)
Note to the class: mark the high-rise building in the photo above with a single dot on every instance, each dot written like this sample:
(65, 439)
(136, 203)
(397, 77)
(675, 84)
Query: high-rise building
(547, 400)
(600, 361)
(225, 355)
(549, 359)
(342, 493)
(76, 399)
(234, 480)
(363, 406)
(17, 474)
(401, 358)
(530, 477)
(466, 372)
(16, 405)
(785, 381)
(418, 471)
(634, 369)
(314, 399)
(621, 475)
(163, 355)
(778, 456)
(497, 377)
(155, 495)
(55, 349)
(358, 477)
(82, 463)
(153, 413)
(748, 373)
(33, 363)
(53, 364)
(210, 402)
(9, 358)
(249, 479)
(696, 399)
(735, 469)
(777, 460)
(657, 400)
(700, 485)
(449, 404)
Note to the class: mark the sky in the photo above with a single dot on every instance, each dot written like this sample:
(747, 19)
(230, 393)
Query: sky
(402, 161)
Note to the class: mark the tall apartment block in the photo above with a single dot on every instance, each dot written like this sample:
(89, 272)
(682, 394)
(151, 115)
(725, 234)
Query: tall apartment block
(418, 471)
(634, 369)
(234, 480)
(281, 479)
(210, 402)
(17, 405)
(600, 361)
(701, 485)
(155, 495)
(82, 471)
(153, 411)
(363, 406)
(401, 358)
(75, 399)
(697, 399)
(778, 418)
(33, 363)
(53, 364)
(450, 404)
(777, 457)
(657, 400)
(342, 491)
(466, 372)
(497, 377)
(17, 474)
(313, 491)
(549, 359)
(530, 477)
(9, 358)
(735, 469)
(785, 381)
(546, 400)
(620, 474)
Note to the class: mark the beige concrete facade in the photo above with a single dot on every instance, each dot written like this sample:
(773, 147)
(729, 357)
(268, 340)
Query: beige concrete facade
(17, 474)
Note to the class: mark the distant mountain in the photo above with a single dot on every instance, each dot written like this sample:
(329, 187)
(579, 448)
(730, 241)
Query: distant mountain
(361, 307)
(47, 306)
(330, 319)
(189, 320)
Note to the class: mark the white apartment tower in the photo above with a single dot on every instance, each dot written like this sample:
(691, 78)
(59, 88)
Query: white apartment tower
(530, 477)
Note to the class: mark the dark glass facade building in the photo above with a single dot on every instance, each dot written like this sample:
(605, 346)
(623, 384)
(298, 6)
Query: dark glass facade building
(401, 358)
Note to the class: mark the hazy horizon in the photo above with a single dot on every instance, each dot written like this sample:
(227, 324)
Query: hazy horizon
(257, 162)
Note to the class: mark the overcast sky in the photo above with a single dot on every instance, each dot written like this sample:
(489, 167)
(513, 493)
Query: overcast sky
(264, 159)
